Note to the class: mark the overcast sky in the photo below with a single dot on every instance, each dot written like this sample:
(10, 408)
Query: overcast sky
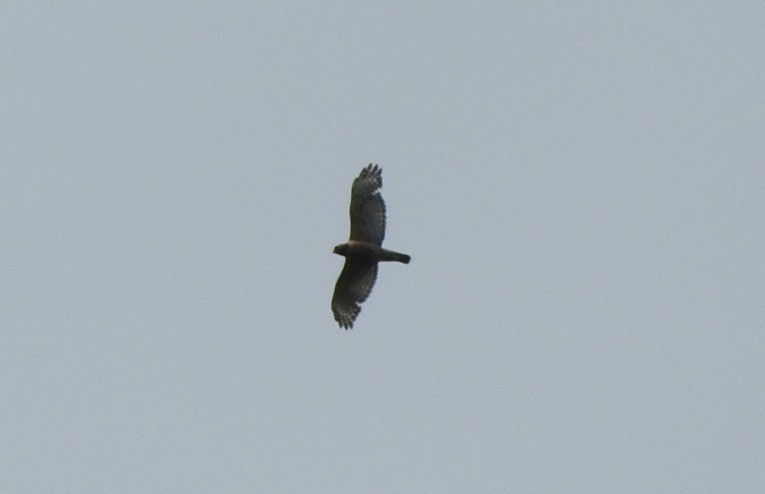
(581, 187)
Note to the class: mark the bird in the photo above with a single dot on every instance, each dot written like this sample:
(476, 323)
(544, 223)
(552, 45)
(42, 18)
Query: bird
(363, 250)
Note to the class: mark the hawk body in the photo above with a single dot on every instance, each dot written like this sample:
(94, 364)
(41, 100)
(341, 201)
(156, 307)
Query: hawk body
(364, 249)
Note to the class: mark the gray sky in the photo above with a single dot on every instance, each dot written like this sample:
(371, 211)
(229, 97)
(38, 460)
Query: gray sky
(581, 187)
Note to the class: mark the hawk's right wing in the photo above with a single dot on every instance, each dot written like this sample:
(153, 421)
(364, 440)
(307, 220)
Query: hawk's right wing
(367, 206)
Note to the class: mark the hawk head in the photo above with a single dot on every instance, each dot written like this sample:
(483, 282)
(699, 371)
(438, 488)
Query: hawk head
(341, 249)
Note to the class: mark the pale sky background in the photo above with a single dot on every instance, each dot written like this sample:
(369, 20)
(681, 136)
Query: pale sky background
(581, 186)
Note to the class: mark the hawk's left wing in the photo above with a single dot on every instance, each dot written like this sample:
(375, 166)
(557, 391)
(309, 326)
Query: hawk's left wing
(353, 287)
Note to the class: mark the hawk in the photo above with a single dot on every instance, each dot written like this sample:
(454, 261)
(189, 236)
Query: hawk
(364, 248)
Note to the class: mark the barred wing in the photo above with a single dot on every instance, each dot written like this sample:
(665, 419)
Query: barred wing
(367, 206)
(353, 287)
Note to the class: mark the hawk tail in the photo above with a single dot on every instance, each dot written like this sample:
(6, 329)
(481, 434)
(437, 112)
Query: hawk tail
(389, 255)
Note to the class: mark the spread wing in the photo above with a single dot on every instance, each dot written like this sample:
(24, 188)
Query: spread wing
(353, 287)
(368, 207)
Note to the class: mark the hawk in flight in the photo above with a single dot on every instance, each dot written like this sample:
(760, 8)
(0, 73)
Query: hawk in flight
(364, 249)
